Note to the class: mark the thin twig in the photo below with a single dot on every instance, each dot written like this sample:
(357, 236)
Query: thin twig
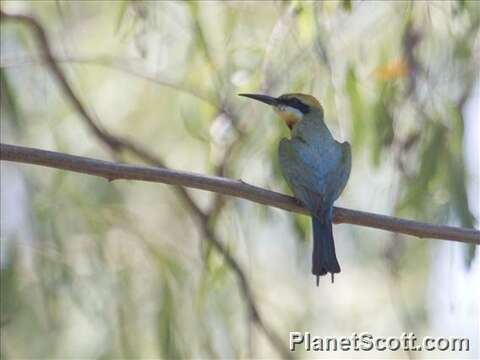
(113, 171)
(117, 144)
(124, 65)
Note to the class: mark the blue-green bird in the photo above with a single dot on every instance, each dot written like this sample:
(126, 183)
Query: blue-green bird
(316, 168)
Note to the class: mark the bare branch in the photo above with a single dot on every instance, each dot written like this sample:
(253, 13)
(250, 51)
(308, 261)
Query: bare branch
(113, 171)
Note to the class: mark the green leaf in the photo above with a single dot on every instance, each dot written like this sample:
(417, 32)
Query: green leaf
(123, 7)
(456, 179)
(302, 226)
(122, 12)
(347, 5)
(166, 324)
(8, 100)
(357, 108)
(382, 123)
(432, 153)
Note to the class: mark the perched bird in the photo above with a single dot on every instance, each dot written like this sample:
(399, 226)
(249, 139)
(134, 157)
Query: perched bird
(316, 168)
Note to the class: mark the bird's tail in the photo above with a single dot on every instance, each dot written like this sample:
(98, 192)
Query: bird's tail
(324, 259)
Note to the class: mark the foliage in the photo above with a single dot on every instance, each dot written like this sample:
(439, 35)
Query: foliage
(121, 269)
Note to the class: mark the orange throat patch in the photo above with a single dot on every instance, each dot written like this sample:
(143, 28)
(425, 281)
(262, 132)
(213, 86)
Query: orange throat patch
(291, 124)
(290, 119)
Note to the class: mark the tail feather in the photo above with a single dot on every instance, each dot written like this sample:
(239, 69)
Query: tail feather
(324, 259)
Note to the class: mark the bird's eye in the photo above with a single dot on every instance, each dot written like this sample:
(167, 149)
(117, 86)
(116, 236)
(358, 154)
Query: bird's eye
(298, 104)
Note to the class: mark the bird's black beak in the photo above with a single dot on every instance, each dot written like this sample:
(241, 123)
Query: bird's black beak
(263, 98)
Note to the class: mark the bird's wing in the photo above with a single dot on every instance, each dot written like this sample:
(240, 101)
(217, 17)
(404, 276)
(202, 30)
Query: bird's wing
(316, 177)
(343, 170)
(307, 186)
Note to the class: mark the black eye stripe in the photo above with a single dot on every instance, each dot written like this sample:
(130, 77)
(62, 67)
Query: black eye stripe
(297, 104)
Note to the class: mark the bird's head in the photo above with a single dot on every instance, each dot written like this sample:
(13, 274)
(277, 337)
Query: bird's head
(291, 108)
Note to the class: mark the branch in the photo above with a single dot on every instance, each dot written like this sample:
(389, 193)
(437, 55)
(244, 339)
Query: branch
(114, 171)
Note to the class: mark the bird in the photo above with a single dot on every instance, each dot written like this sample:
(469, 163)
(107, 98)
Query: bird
(315, 166)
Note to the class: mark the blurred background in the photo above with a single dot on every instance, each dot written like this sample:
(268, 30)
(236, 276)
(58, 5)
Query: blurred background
(91, 269)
